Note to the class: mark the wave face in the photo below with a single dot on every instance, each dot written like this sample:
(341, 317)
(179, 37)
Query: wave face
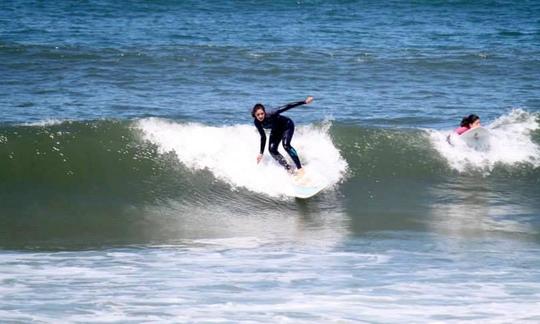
(108, 181)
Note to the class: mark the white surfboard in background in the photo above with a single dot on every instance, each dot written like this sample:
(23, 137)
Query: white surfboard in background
(478, 138)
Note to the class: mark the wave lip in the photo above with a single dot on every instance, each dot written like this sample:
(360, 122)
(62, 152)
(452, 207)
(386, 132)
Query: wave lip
(229, 152)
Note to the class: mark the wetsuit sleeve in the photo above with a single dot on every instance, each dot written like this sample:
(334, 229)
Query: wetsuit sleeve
(288, 106)
(263, 135)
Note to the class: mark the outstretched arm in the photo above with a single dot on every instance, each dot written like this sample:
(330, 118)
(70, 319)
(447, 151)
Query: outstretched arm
(281, 109)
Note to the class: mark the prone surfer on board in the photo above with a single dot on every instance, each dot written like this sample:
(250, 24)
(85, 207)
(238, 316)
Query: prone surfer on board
(281, 130)
(467, 123)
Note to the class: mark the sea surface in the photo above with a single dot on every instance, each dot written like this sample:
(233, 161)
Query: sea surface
(130, 192)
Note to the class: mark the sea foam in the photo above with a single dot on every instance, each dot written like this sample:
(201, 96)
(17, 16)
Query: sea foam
(511, 143)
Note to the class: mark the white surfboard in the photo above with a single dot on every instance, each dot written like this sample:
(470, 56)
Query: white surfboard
(478, 138)
(304, 192)
(307, 187)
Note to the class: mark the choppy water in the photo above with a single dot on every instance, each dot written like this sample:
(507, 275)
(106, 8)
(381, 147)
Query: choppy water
(129, 190)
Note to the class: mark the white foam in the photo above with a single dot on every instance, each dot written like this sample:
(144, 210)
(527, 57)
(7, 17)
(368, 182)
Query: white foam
(232, 242)
(230, 152)
(280, 281)
(47, 122)
(510, 144)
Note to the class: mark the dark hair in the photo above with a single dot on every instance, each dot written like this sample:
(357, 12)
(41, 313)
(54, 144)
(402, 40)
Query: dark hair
(257, 107)
(466, 121)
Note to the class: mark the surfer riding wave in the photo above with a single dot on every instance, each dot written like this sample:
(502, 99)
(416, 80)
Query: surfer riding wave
(281, 130)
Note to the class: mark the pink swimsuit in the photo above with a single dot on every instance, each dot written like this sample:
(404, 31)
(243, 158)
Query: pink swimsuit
(461, 130)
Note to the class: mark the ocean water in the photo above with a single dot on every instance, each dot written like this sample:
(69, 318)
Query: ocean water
(129, 190)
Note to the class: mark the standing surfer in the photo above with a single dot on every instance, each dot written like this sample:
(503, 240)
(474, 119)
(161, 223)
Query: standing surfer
(281, 130)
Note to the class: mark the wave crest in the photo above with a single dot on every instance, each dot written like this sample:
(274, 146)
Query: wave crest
(229, 152)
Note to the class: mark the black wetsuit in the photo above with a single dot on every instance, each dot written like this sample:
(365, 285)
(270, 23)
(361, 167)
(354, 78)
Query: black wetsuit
(282, 129)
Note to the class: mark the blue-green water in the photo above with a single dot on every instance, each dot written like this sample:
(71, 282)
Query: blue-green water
(129, 190)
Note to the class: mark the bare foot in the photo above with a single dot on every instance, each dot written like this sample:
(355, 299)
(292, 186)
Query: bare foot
(300, 177)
